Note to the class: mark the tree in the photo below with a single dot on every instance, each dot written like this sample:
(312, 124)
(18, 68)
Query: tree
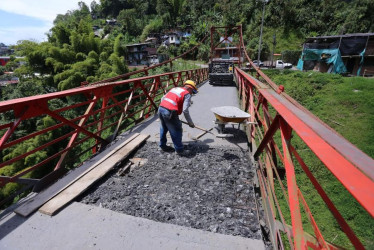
(95, 10)
(127, 19)
(118, 65)
(170, 11)
(59, 35)
(119, 48)
(360, 17)
(154, 26)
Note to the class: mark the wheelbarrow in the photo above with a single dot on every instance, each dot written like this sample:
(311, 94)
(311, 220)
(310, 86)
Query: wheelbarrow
(229, 114)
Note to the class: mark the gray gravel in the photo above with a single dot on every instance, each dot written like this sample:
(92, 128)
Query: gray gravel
(209, 189)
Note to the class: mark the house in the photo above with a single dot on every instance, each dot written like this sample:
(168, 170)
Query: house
(5, 59)
(154, 39)
(5, 50)
(343, 54)
(151, 40)
(172, 38)
(143, 54)
(99, 33)
(229, 53)
(137, 54)
(154, 58)
(111, 21)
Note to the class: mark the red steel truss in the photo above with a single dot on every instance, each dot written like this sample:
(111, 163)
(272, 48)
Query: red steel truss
(230, 35)
(103, 109)
(274, 111)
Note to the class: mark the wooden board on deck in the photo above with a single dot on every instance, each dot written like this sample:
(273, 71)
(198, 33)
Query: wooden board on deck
(83, 183)
(38, 200)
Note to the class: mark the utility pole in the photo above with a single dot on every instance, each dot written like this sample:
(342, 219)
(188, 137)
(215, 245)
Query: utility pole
(262, 25)
(272, 54)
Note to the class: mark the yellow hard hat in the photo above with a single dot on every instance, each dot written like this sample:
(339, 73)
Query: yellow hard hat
(191, 83)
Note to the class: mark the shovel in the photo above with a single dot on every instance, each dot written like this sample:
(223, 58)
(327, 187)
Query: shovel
(202, 129)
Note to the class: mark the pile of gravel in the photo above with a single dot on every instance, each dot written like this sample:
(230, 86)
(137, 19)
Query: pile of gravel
(209, 189)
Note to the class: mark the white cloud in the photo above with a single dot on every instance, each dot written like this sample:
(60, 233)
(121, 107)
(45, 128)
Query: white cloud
(12, 35)
(46, 10)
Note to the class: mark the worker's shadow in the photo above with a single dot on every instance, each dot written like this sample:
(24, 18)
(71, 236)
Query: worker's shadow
(236, 137)
(197, 147)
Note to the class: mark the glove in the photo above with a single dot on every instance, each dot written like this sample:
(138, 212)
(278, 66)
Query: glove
(191, 125)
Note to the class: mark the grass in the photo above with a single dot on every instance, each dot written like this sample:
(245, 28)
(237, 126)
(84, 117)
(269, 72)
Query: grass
(344, 103)
(347, 105)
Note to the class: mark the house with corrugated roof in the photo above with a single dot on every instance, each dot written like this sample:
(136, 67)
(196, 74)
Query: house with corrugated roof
(351, 54)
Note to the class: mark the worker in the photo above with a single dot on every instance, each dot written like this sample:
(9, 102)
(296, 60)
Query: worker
(173, 104)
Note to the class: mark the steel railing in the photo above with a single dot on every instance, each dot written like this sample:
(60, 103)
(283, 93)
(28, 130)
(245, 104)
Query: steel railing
(77, 122)
(275, 119)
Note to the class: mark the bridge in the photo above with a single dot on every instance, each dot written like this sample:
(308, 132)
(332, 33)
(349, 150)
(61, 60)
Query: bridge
(105, 121)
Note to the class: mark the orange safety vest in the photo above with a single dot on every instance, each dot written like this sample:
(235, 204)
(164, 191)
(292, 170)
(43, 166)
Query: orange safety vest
(173, 100)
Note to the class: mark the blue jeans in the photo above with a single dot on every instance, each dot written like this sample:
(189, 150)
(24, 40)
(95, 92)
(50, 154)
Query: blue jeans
(170, 122)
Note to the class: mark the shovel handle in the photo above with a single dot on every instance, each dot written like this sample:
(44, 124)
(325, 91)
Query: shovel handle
(202, 129)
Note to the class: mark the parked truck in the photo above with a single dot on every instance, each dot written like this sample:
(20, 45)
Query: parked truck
(221, 72)
(279, 64)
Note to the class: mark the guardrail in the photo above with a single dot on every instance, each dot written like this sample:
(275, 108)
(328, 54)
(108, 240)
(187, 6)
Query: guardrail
(45, 132)
(280, 118)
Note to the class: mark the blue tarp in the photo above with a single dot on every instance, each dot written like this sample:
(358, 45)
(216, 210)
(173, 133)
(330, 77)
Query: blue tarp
(361, 62)
(328, 56)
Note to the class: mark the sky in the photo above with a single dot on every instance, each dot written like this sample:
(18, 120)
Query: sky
(31, 19)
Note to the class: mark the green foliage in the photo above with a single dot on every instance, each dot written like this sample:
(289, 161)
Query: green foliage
(127, 18)
(153, 26)
(186, 46)
(291, 56)
(119, 46)
(22, 89)
(203, 53)
(118, 65)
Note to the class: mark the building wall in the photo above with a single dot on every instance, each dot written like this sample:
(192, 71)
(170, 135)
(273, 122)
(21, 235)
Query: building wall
(4, 61)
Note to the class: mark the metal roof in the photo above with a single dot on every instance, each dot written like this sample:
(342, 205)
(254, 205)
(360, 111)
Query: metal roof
(346, 35)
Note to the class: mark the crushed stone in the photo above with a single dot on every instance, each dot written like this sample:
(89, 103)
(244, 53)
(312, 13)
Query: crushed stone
(209, 189)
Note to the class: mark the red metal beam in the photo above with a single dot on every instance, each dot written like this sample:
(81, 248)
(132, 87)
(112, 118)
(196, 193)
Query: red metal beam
(293, 197)
(356, 174)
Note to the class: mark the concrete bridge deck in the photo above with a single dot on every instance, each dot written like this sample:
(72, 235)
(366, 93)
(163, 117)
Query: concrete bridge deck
(80, 226)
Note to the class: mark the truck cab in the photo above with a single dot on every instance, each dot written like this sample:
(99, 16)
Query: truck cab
(279, 64)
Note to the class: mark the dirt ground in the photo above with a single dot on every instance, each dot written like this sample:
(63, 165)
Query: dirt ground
(209, 189)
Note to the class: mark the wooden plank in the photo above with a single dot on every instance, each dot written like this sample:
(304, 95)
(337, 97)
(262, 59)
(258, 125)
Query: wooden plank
(81, 185)
(38, 200)
(202, 134)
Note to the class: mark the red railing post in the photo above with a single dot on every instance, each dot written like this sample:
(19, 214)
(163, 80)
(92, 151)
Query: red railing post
(297, 227)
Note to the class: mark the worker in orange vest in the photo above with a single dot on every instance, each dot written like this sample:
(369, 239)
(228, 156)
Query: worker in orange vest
(174, 103)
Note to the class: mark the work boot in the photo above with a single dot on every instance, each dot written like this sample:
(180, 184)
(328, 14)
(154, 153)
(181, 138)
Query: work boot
(183, 152)
(167, 149)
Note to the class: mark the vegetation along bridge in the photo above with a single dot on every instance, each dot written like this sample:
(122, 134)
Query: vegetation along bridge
(285, 142)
